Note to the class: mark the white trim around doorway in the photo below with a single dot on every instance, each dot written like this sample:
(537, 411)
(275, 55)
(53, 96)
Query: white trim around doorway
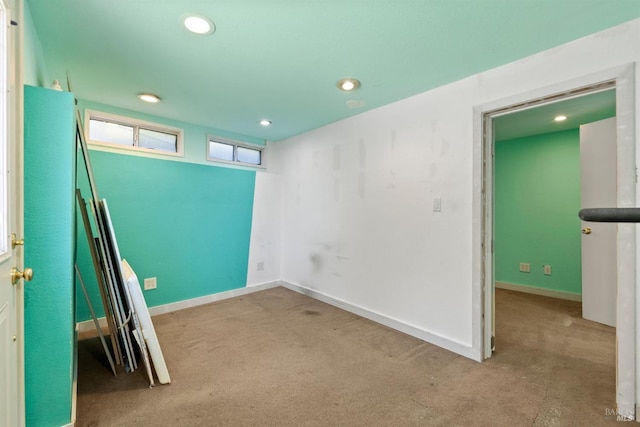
(482, 227)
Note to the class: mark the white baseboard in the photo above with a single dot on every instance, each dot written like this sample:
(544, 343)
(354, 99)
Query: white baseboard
(539, 291)
(398, 325)
(89, 325)
(194, 302)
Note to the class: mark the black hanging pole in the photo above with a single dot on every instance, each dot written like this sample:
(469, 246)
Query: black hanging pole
(610, 214)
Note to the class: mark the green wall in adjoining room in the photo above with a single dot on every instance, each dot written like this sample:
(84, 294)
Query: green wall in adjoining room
(187, 224)
(537, 199)
(49, 249)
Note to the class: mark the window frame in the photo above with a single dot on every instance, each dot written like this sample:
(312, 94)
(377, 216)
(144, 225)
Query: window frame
(136, 124)
(236, 144)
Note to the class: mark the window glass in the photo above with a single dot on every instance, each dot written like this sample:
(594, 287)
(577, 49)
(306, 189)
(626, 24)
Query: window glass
(220, 151)
(110, 132)
(157, 140)
(230, 151)
(132, 134)
(249, 155)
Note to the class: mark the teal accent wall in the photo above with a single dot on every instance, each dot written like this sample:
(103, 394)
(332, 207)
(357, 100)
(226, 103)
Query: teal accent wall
(49, 159)
(537, 199)
(187, 224)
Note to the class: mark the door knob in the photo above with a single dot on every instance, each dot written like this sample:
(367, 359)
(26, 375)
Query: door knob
(15, 242)
(16, 275)
(586, 230)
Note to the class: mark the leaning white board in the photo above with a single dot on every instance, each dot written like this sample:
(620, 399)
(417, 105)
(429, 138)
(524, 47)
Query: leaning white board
(148, 331)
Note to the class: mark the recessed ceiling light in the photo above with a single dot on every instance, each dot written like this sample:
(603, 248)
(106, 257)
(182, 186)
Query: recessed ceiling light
(149, 97)
(348, 85)
(265, 122)
(199, 24)
(560, 118)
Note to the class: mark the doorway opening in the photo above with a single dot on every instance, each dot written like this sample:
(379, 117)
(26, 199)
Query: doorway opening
(620, 80)
(541, 283)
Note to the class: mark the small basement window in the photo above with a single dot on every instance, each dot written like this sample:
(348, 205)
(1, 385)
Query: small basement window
(132, 134)
(235, 152)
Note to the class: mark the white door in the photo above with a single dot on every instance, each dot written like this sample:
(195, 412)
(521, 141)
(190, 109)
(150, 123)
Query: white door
(598, 183)
(11, 334)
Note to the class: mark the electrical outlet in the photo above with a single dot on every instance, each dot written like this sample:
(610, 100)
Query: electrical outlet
(547, 270)
(260, 265)
(525, 267)
(150, 283)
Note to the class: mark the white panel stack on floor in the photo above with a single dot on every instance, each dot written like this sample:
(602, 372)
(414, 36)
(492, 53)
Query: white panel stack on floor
(124, 305)
(146, 325)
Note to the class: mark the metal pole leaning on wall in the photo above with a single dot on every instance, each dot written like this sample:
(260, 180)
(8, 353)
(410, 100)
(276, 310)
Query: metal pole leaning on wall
(95, 321)
(121, 315)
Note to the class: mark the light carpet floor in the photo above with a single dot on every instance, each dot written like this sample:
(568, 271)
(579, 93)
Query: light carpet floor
(278, 358)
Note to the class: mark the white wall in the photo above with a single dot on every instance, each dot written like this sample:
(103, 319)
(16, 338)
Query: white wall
(265, 229)
(357, 195)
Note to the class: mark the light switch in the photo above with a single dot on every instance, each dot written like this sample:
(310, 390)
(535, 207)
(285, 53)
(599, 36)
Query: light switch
(437, 204)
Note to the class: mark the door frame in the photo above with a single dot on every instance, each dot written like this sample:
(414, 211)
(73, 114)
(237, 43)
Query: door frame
(15, 121)
(623, 79)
